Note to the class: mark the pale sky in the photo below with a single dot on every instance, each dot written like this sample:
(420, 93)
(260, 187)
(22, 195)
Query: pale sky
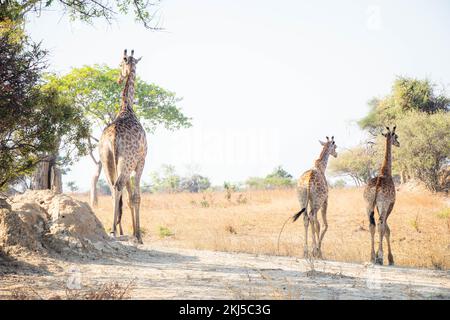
(262, 80)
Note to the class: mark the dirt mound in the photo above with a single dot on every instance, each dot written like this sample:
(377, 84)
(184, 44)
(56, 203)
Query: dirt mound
(40, 221)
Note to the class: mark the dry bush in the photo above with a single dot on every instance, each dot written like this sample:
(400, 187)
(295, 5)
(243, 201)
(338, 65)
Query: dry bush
(106, 291)
(260, 218)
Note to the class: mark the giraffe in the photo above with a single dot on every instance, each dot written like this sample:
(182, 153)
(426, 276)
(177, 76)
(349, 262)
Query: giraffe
(312, 189)
(122, 148)
(380, 193)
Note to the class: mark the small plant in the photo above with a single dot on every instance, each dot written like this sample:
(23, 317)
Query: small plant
(205, 203)
(438, 264)
(241, 199)
(106, 291)
(444, 213)
(415, 223)
(25, 293)
(164, 232)
(310, 260)
(144, 231)
(230, 229)
(229, 189)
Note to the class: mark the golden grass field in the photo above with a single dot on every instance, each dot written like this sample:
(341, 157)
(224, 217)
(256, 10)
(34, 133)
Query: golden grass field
(250, 222)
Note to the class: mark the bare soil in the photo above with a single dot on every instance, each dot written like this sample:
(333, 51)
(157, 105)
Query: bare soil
(159, 272)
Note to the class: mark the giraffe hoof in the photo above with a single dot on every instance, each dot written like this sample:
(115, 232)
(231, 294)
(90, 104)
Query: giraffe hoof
(391, 259)
(379, 261)
(315, 253)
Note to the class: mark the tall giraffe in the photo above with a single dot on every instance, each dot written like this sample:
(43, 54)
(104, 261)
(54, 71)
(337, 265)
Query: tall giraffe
(123, 147)
(380, 193)
(312, 189)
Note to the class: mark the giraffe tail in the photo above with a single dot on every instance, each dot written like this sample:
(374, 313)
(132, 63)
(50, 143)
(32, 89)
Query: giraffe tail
(294, 218)
(298, 214)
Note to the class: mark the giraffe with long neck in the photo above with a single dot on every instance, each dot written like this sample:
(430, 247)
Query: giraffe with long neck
(380, 193)
(312, 190)
(123, 148)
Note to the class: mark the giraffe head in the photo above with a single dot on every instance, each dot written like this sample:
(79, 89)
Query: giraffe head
(127, 65)
(329, 146)
(391, 136)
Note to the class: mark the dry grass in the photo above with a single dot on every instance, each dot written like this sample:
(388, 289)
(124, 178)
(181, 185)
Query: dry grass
(420, 225)
(106, 291)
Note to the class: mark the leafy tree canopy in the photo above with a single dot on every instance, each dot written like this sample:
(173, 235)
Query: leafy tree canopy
(34, 117)
(167, 180)
(96, 92)
(407, 94)
(276, 179)
(424, 146)
(359, 163)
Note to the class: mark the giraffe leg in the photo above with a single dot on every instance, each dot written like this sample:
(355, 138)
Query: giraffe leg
(313, 218)
(130, 204)
(116, 203)
(382, 231)
(388, 238)
(120, 227)
(306, 221)
(119, 217)
(372, 226)
(317, 232)
(325, 224)
(137, 199)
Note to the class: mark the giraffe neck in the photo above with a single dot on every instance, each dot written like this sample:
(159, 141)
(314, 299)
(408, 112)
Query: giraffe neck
(322, 162)
(387, 165)
(128, 93)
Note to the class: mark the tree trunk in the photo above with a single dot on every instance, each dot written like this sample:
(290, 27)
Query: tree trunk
(47, 175)
(56, 179)
(404, 179)
(94, 194)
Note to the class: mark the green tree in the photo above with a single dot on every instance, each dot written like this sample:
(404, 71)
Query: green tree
(407, 94)
(278, 178)
(34, 117)
(103, 187)
(95, 91)
(72, 186)
(339, 184)
(425, 146)
(279, 172)
(194, 183)
(165, 180)
(359, 163)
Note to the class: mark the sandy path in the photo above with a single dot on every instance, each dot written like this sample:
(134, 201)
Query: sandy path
(160, 272)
